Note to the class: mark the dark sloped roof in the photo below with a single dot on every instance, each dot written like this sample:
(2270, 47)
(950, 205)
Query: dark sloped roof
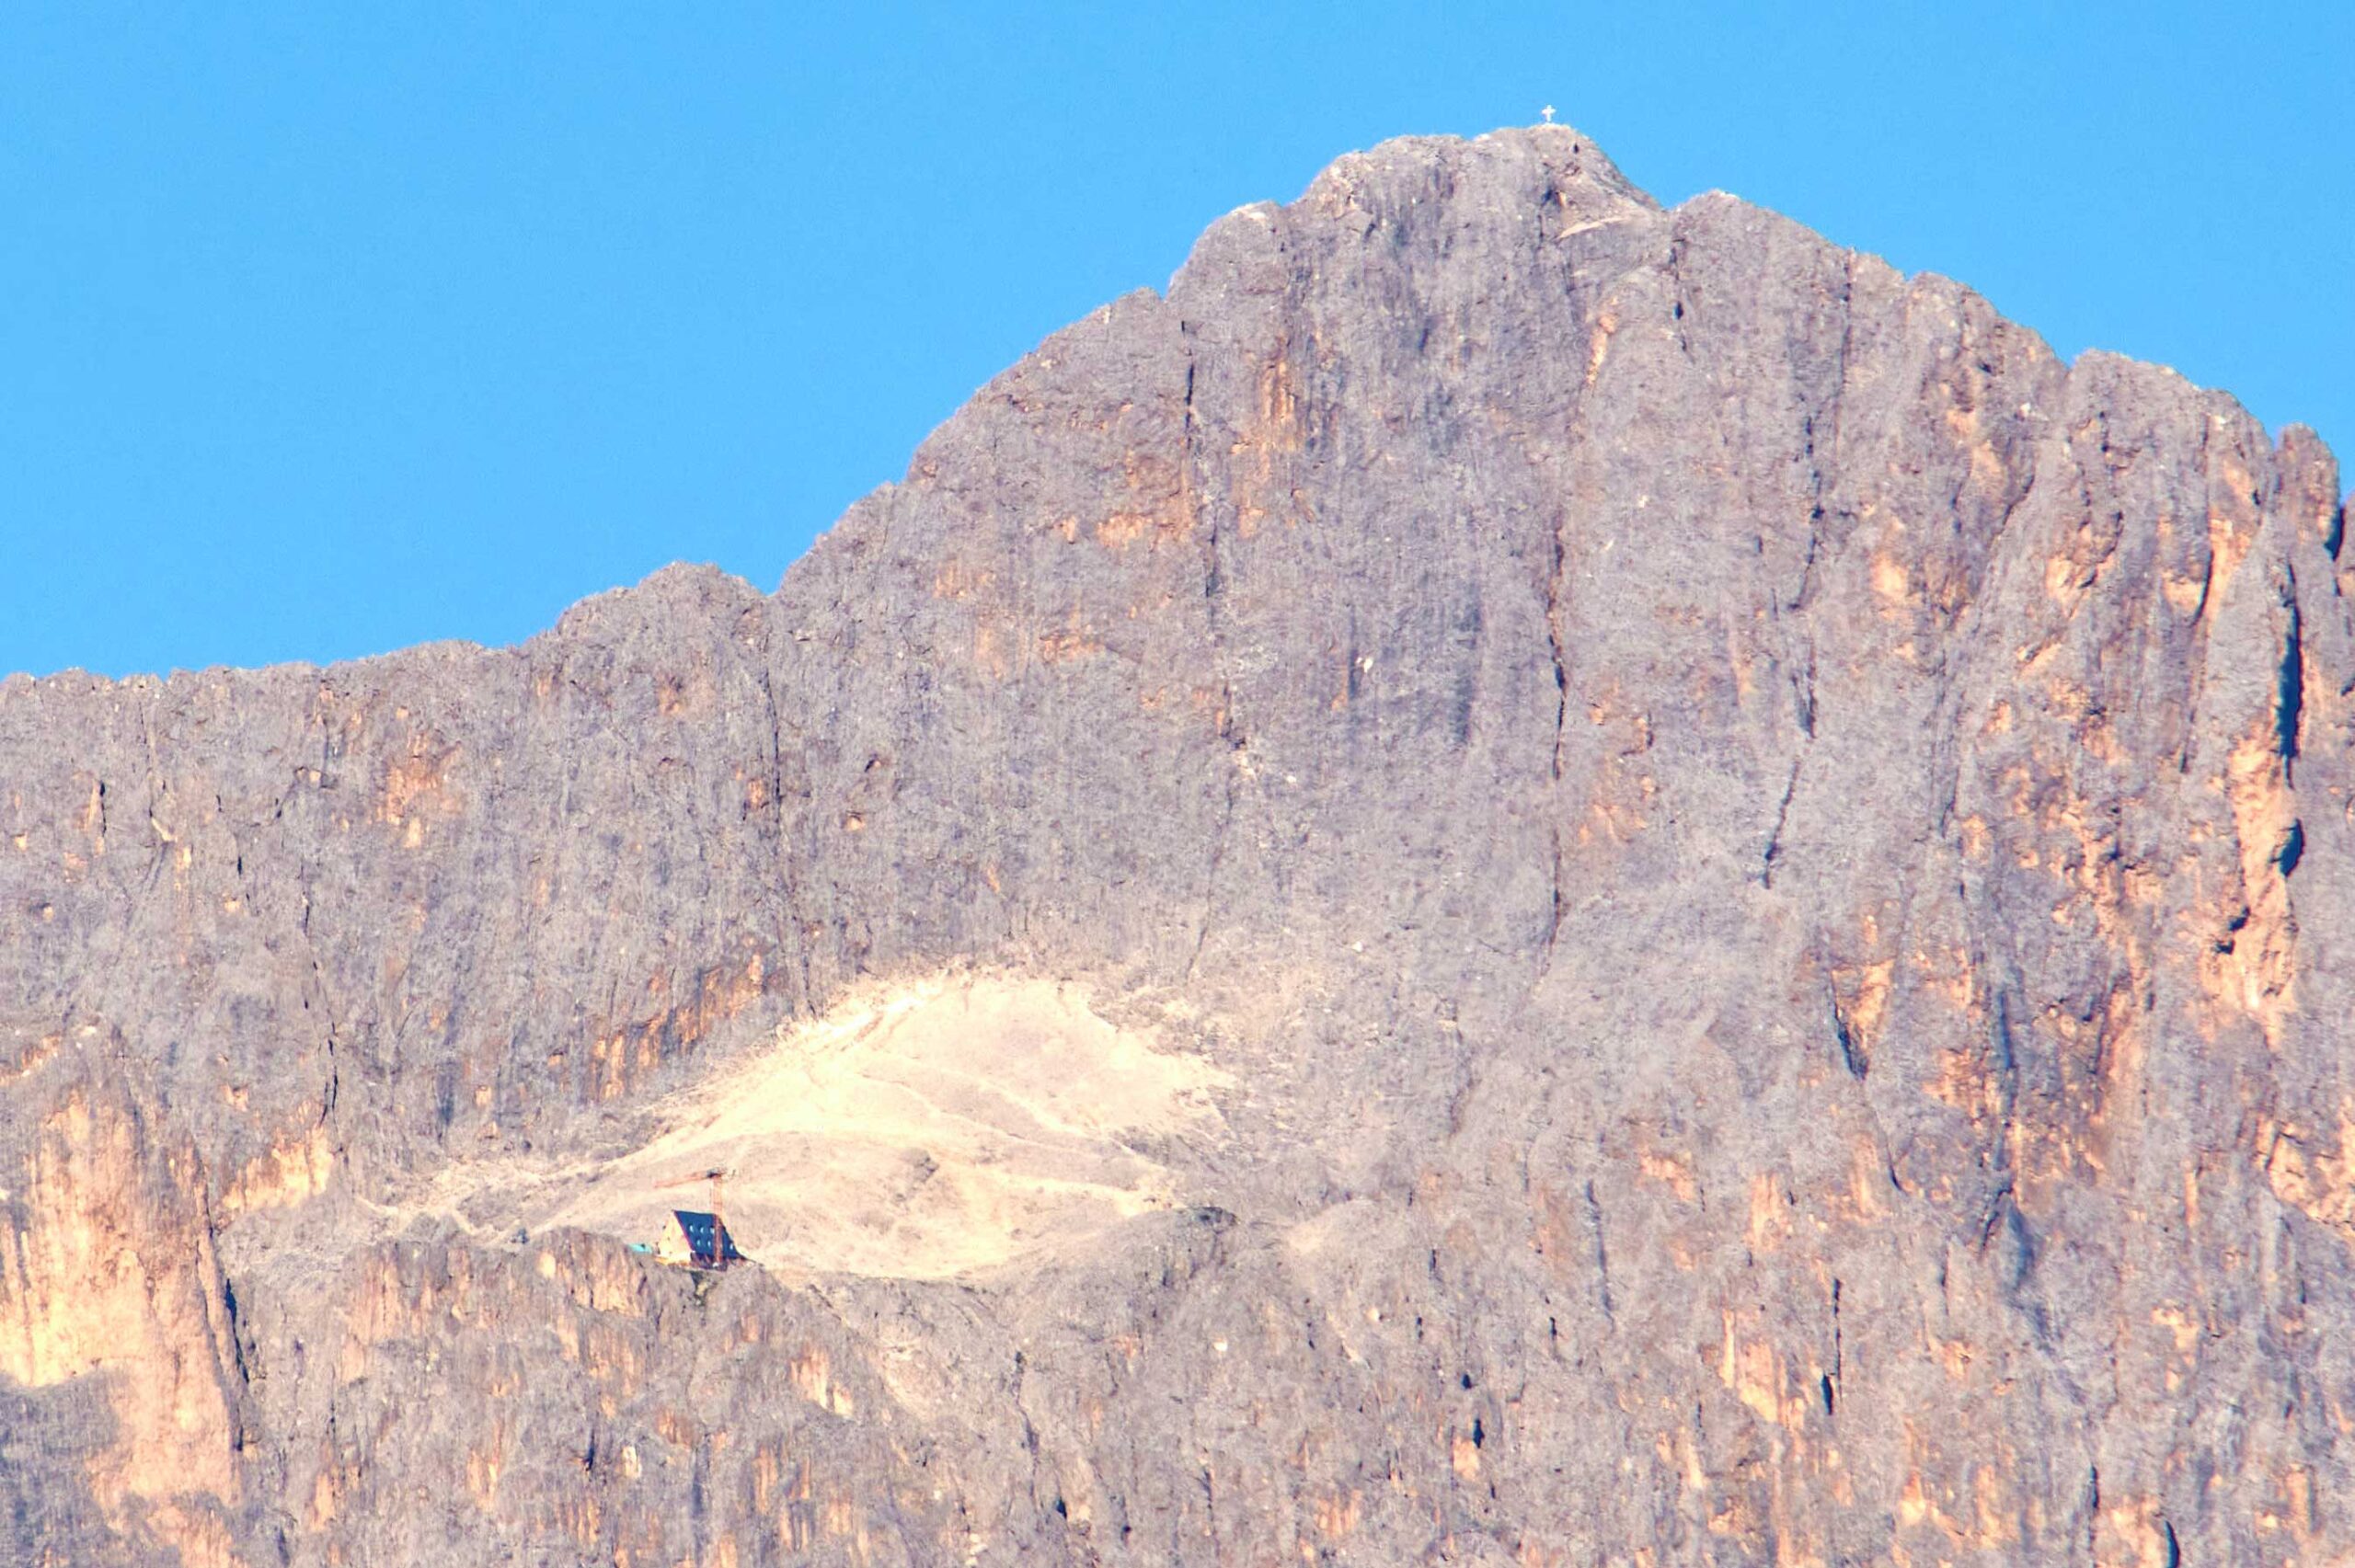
(707, 1239)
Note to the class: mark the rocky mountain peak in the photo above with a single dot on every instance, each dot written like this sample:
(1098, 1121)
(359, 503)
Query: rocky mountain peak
(1519, 878)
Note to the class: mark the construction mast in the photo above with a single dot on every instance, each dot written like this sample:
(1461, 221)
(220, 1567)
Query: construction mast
(717, 1176)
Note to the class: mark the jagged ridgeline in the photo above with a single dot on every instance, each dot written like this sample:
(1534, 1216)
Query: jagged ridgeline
(1518, 878)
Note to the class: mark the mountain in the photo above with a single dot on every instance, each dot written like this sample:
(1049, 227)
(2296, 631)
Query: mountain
(1518, 878)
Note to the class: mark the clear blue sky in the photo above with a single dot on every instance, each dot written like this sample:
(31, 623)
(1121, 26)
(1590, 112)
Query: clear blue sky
(326, 329)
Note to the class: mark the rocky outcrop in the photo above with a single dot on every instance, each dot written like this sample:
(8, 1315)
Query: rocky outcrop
(122, 1374)
(1750, 866)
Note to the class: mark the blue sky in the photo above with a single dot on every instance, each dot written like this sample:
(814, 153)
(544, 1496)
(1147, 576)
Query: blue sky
(327, 329)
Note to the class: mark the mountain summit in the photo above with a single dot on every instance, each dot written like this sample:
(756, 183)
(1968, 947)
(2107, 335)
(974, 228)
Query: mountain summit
(1517, 878)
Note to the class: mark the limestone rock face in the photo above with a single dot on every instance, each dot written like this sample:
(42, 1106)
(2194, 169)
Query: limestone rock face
(1519, 878)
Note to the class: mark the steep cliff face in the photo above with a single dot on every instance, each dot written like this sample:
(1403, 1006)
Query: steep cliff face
(123, 1380)
(1519, 878)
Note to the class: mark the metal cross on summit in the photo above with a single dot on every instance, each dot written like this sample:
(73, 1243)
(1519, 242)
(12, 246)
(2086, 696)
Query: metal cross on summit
(1547, 114)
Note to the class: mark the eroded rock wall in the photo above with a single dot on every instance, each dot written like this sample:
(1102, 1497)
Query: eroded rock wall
(1760, 862)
